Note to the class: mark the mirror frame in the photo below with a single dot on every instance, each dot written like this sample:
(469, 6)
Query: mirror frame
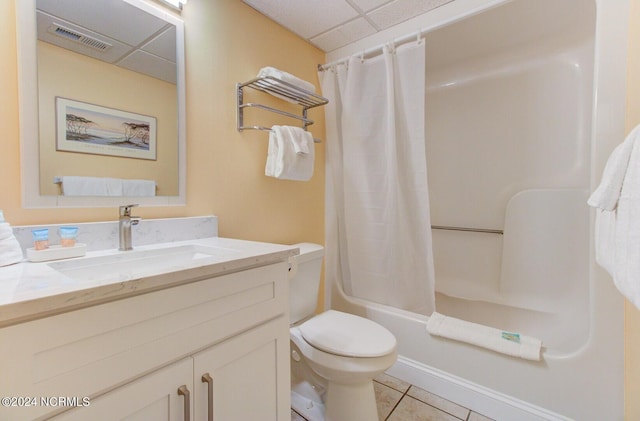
(29, 127)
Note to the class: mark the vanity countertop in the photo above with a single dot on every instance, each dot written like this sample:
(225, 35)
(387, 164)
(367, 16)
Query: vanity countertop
(30, 291)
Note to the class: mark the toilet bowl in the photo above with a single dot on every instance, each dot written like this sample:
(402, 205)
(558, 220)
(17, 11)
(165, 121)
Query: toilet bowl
(334, 355)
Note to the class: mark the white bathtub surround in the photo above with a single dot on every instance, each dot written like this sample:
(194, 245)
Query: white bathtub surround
(508, 343)
(617, 200)
(525, 102)
(378, 188)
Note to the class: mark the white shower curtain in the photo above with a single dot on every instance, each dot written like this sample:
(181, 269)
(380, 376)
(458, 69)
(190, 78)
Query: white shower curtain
(378, 225)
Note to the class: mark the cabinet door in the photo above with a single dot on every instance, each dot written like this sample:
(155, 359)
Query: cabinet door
(152, 397)
(248, 376)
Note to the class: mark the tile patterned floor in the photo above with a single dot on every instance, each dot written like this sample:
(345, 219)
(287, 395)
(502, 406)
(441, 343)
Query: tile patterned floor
(400, 401)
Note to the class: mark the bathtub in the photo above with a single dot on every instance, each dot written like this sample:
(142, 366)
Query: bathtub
(525, 101)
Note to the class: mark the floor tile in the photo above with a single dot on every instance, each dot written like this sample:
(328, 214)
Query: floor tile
(411, 409)
(393, 382)
(438, 402)
(386, 399)
(398, 400)
(477, 417)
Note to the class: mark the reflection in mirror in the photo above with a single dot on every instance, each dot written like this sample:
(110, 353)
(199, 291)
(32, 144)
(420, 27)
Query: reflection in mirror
(109, 102)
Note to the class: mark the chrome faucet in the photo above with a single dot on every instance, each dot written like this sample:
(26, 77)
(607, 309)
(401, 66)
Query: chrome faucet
(124, 225)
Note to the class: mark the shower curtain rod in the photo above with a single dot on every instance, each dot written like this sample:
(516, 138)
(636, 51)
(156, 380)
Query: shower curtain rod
(375, 50)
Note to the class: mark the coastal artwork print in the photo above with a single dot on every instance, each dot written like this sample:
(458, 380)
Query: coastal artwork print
(93, 129)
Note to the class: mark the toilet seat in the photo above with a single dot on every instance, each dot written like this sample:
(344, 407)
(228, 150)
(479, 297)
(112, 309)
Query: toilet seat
(347, 335)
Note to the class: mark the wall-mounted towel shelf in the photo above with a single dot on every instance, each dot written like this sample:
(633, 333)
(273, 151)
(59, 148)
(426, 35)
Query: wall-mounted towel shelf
(280, 89)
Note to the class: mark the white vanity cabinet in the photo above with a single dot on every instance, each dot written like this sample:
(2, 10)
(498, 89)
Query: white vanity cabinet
(151, 397)
(130, 356)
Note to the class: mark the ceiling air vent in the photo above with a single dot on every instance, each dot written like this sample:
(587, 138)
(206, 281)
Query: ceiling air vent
(78, 37)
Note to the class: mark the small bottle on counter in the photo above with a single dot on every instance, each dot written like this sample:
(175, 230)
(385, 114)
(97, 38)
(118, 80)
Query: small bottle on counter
(68, 236)
(40, 238)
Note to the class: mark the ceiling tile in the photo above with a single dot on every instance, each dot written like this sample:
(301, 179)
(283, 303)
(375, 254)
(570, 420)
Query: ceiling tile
(401, 10)
(164, 45)
(369, 5)
(306, 18)
(343, 35)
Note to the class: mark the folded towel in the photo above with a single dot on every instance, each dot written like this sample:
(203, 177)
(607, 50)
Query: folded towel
(497, 340)
(5, 231)
(10, 251)
(91, 186)
(617, 200)
(290, 154)
(286, 77)
(138, 188)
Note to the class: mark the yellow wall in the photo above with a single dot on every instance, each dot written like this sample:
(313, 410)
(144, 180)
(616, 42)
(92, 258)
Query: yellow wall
(109, 86)
(226, 42)
(632, 314)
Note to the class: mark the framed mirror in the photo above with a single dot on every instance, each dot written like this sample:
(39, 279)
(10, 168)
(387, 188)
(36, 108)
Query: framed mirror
(102, 97)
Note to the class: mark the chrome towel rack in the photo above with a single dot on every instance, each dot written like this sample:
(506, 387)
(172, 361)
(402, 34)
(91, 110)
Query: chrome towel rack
(280, 89)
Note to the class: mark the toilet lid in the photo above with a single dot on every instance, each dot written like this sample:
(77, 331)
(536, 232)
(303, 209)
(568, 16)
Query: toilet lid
(347, 335)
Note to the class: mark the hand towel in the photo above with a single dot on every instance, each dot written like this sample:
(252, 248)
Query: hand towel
(286, 77)
(290, 155)
(10, 251)
(617, 200)
(508, 343)
(91, 186)
(138, 188)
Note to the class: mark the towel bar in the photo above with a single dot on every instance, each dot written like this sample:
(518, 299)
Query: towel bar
(58, 180)
(268, 129)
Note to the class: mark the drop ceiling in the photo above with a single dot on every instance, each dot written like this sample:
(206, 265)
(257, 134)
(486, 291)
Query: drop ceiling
(331, 24)
(112, 31)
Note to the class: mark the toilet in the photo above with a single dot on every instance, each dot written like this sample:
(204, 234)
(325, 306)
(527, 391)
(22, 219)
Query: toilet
(334, 355)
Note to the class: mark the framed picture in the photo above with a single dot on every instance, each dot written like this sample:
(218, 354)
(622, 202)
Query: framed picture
(92, 129)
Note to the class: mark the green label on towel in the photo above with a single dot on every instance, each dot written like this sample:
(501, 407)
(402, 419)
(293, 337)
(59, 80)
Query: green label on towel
(513, 337)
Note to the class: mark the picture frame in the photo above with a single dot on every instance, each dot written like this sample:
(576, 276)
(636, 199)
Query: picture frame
(93, 129)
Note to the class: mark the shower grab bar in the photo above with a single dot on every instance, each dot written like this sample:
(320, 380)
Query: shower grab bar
(482, 230)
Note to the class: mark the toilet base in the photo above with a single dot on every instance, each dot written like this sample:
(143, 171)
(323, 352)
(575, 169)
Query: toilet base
(310, 409)
(353, 402)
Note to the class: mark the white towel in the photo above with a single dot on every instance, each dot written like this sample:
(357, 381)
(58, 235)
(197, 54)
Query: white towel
(290, 154)
(91, 186)
(617, 200)
(10, 251)
(497, 340)
(138, 188)
(286, 77)
(606, 195)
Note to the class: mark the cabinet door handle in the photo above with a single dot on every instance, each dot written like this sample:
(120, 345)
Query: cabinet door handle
(206, 378)
(182, 390)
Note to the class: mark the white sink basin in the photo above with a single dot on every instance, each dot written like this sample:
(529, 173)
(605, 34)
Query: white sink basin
(139, 263)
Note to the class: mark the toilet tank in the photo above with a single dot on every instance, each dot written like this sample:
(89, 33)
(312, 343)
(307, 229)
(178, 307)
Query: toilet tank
(305, 281)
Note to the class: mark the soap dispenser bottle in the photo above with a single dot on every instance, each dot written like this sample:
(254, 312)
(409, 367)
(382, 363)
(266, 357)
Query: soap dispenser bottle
(10, 251)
